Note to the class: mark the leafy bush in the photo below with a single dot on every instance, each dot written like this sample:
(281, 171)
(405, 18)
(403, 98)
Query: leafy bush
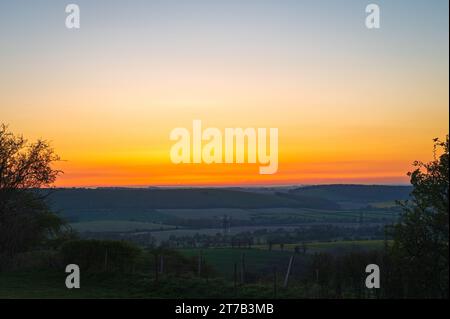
(100, 255)
(31, 260)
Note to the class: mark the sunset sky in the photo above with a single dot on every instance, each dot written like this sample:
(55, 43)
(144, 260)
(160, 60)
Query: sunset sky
(352, 105)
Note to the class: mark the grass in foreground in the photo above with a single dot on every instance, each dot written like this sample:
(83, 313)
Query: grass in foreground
(50, 284)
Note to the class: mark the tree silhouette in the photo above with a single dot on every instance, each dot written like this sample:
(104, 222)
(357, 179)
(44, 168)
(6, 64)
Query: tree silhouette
(421, 237)
(25, 220)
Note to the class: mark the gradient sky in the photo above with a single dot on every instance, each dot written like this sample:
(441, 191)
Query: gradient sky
(352, 105)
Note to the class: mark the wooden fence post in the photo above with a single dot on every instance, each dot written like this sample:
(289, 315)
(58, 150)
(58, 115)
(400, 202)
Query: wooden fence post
(235, 279)
(199, 264)
(161, 267)
(106, 259)
(274, 282)
(288, 272)
(156, 267)
(242, 268)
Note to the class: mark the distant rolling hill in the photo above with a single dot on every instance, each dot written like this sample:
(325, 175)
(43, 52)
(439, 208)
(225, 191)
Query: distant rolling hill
(355, 193)
(202, 207)
(73, 199)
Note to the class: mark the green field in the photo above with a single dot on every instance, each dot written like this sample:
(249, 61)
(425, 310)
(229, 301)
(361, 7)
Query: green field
(260, 260)
(331, 246)
(321, 215)
(256, 260)
(214, 213)
(117, 226)
(385, 204)
(162, 219)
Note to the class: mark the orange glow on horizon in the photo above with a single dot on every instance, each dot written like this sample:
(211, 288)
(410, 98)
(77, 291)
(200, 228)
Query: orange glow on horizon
(231, 174)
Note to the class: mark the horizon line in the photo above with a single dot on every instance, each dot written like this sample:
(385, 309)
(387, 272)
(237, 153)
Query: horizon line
(224, 186)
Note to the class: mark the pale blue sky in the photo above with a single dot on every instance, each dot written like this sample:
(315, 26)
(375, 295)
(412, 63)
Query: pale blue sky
(290, 29)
